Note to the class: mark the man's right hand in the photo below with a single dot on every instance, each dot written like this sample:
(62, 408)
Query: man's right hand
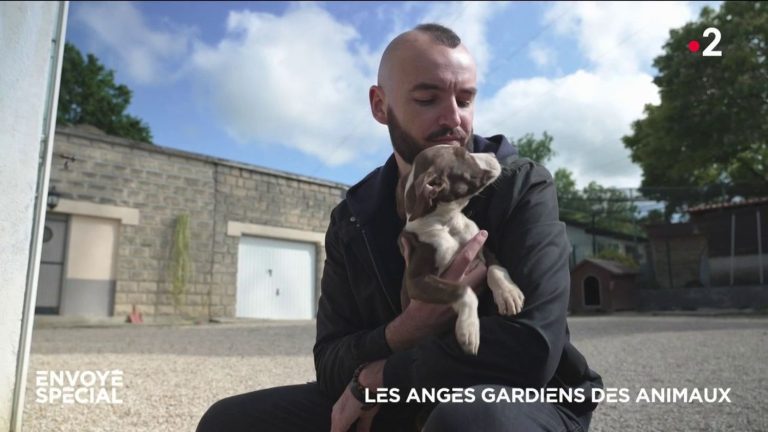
(419, 319)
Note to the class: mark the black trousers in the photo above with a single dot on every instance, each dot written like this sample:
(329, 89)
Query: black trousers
(305, 408)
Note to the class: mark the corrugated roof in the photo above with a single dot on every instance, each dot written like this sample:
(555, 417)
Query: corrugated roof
(703, 208)
(611, 266)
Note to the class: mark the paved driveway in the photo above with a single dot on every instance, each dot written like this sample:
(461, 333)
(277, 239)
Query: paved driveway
(172, 374)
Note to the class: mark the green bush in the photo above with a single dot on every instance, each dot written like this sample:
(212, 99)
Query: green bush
(610, 254)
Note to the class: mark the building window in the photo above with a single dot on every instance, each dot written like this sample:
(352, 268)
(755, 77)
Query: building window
(591, 291)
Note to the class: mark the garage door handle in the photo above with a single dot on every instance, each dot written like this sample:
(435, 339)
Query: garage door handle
(277, 292)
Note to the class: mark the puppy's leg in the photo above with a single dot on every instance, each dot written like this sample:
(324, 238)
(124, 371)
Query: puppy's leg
(508, 296)
(467, 324)
(463, 300)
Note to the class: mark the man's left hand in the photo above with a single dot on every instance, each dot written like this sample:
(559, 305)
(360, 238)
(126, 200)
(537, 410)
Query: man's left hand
(347, 409)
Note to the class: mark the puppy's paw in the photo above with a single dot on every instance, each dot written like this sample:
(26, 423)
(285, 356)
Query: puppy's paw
(468, 333)
(508, 296)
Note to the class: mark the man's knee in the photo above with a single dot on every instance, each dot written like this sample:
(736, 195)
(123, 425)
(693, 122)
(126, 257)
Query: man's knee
(298, 407)
(219, 415)
(491, 417)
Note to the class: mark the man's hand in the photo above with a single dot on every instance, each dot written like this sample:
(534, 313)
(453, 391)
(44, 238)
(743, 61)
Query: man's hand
(347, 409)
(419, 319)
(466, 267)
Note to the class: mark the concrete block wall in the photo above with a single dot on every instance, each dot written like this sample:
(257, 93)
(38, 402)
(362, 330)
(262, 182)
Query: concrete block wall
(163, 184)
(261, 198)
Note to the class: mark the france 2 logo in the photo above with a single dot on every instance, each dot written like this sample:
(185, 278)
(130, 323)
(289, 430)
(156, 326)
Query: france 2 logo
(709, 51)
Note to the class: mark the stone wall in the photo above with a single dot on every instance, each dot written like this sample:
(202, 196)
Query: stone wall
(164, 184)
(735, 297)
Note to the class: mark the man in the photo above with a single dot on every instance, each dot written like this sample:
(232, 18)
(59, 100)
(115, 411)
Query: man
(366, 340)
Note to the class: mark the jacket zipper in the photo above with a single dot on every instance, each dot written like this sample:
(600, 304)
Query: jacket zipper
(375, 268)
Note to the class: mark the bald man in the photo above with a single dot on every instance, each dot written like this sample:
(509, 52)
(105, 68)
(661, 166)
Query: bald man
(367, 342)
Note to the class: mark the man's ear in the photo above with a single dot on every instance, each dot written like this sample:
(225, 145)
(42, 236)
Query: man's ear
(378, 104)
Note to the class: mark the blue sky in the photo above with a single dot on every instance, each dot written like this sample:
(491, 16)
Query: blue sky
(285, 85)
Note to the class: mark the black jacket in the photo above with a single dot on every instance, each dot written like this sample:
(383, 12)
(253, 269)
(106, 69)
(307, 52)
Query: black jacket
(360, 289)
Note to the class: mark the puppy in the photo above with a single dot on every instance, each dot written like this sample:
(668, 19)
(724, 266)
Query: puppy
(442, 180)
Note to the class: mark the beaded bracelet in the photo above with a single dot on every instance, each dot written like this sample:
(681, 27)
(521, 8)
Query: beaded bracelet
(358, 390)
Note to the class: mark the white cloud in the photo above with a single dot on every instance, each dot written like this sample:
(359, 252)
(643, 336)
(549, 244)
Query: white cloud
(619, 37)
(300, 80)
(588, 111)
(542, 55)
(586, 114)
(146, 55)
(308, 89)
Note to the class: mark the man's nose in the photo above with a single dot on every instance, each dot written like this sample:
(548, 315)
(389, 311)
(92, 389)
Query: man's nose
(450, 116)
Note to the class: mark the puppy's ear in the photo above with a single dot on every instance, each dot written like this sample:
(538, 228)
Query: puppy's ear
(422, 193)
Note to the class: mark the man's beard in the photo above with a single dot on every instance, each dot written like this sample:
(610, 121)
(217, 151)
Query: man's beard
(407, 146)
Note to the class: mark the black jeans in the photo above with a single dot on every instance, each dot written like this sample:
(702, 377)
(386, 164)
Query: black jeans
(305, 408)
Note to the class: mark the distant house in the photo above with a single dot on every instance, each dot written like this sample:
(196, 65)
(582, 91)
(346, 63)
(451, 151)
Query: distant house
(721, 245)
(600, 285)
(737, 241)
(587, 241)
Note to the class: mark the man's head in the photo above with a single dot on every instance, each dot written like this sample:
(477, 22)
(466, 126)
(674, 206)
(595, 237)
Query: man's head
(426, 90)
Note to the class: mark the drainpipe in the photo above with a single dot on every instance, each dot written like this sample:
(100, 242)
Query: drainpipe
(759, 246)
(733, 242)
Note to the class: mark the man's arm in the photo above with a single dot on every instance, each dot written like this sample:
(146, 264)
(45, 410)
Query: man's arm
(523, 350)
(343, 342)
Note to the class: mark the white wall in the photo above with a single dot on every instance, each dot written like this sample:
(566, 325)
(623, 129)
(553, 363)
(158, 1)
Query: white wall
(29, 72)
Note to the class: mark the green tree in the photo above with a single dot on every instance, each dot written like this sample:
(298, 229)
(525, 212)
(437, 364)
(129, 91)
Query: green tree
(537, 149)
(540, 150)
(708, 137)
(654, 216)
(89, 95)
(612, 208)
(572, 204)
(609, 206)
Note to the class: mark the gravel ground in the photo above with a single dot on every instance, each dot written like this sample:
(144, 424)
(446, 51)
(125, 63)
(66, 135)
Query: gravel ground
(173, 373)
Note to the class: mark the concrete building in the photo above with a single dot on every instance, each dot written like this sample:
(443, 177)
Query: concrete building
(587, 241)
(255, 236)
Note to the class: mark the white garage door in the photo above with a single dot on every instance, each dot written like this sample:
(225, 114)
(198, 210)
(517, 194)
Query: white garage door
(275, 279)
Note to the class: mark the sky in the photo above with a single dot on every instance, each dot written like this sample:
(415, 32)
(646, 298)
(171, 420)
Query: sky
(284, 85)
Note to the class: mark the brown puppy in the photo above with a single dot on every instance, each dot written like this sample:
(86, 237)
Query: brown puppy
(441, 182)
